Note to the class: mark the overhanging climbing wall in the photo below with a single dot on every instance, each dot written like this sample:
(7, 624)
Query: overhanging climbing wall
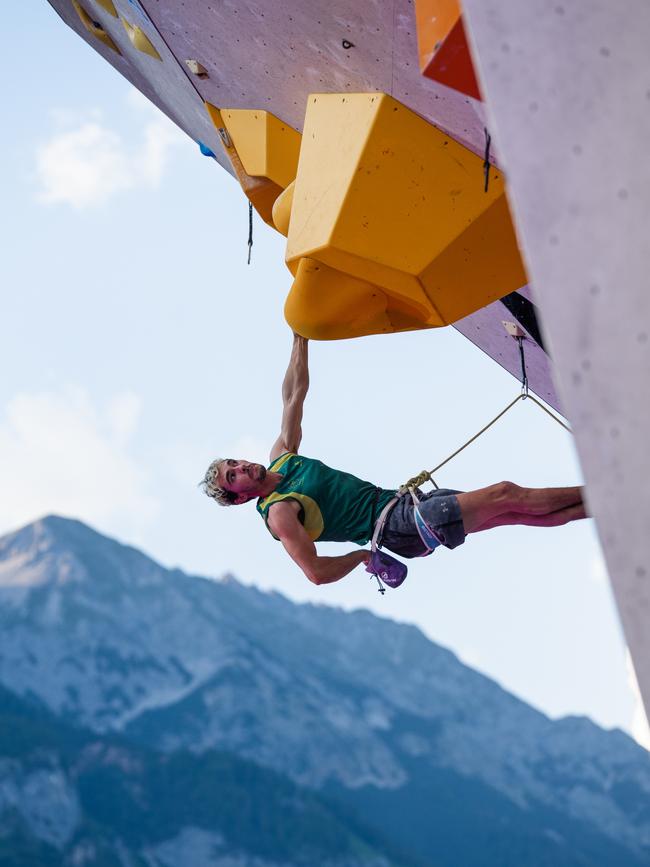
(256, 57)
(568, 88)
(121, 32)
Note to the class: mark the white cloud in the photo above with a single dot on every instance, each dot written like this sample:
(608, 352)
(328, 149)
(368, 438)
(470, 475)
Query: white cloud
(85, 163)
(639, 725)
(82, 167)
(59, 453)
(123, 412)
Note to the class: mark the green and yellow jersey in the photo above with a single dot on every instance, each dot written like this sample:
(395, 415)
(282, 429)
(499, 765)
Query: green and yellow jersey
(334, 506)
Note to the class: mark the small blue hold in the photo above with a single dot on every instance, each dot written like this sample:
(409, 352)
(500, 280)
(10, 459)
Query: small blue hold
(205, 150)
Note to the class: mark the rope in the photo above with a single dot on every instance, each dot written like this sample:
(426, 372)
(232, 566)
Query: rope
(547, 411)
(427, 475)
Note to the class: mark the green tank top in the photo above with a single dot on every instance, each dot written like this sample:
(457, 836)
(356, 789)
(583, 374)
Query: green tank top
(334, 506)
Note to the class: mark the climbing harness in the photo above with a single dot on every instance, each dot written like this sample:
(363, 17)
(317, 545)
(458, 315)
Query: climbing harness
(385, 568)
(427, 534)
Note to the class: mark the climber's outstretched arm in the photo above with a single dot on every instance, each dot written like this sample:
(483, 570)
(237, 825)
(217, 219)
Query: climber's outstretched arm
(283, 521)
(294, 391)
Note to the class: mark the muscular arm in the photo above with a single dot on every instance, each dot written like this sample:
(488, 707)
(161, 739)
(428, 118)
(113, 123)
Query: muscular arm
(283, 520)
(294, 391)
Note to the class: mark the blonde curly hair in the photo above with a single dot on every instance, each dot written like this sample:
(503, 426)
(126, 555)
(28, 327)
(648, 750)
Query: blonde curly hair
(211, 488)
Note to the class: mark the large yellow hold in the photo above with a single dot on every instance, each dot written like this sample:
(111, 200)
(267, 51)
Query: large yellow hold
(390, 227)
(262, 150)
(266, 146)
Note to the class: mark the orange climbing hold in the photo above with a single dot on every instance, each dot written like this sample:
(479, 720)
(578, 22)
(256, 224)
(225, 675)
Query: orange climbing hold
(443, 47)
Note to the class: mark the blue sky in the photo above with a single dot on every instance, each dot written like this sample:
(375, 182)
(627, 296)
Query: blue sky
(137, 345)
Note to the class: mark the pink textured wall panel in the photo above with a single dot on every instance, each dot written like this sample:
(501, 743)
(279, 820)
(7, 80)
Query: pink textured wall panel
(485, 330)
(272, 55)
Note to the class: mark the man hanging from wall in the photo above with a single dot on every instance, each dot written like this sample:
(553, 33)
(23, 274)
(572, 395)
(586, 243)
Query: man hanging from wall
(303, 501)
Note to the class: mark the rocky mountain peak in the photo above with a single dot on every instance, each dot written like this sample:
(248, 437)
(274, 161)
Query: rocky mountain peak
(108, 639)
(36, 555)
(55, 552)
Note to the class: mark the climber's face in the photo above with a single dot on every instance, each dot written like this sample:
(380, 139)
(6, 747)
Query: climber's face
(242, 478)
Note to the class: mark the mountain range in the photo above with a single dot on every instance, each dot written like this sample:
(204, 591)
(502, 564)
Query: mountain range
(150, 717)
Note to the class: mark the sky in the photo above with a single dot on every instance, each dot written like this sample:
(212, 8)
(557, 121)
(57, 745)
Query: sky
(137, 345)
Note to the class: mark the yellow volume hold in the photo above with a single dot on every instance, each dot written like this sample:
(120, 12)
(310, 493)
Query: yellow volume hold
(390, 226)
(94, 27)
(263, 152)
(140, 40)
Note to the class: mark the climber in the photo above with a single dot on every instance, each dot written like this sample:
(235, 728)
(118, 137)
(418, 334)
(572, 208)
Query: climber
(302, 500)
